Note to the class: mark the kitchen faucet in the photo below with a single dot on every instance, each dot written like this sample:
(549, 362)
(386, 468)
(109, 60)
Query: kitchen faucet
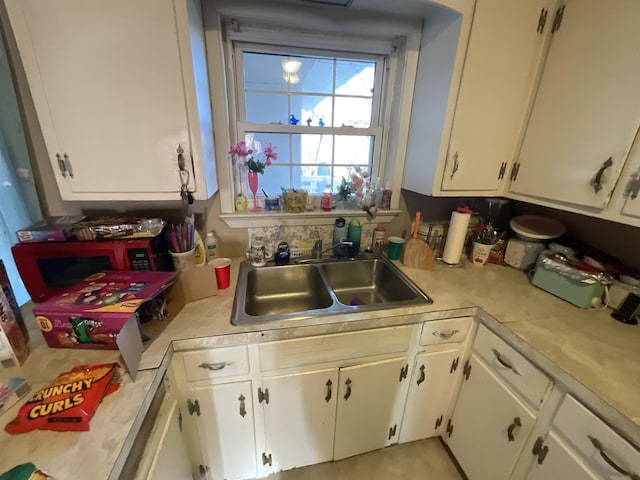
(318, 251)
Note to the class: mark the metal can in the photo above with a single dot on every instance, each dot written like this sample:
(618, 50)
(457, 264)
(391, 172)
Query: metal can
(377, 242)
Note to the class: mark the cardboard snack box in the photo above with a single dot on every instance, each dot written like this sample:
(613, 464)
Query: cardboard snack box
(102, 312)
(49, 229)
(14, 337)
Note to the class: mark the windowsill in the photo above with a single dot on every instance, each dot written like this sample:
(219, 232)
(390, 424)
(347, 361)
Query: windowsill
(267, 219)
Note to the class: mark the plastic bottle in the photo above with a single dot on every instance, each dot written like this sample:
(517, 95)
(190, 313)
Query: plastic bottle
(240, 203)
(339, 235)
(326, 198)
(211, 243)
(201, 256)
(354, 235)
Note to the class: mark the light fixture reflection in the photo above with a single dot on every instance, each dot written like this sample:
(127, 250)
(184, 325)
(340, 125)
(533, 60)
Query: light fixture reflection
(291, 66)
(291, 78)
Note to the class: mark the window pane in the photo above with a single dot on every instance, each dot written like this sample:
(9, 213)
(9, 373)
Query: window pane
(309, 177)
(263, 71)
(314, 107)
(355, 77)
(313, 75)
(313, 149)
(353, 112)
(257, 141)
(275, 177)
(266, 108)
(353, 149)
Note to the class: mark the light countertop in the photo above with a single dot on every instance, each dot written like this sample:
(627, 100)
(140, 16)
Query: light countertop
(588, 351)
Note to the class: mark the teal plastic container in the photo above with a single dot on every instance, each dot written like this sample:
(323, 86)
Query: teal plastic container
(573, 291)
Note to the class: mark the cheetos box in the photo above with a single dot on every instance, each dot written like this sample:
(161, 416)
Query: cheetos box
(106, 311)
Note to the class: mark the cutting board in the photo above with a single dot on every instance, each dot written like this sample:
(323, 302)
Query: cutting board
(417, 254)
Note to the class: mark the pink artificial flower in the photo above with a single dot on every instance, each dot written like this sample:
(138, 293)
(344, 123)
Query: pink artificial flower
(22, 172)
(269, 153)
(240, 149)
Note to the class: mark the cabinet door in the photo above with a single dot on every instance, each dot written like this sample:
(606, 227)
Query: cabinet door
(432, 382)
(300, 418)
(107, 83)
(226, 430)
(489, 426)
(170, 459)
(370, 401)
(503, 56)
(559, 463)
(586, 108)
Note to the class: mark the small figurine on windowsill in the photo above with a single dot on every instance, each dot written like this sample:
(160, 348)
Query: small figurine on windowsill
(309, 122)
(293, 120)
(320, 123)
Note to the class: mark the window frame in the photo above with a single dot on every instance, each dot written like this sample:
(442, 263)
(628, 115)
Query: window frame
(376, 130)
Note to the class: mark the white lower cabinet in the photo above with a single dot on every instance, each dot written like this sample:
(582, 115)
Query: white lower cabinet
(490, 425)
(225, 429)
(370, 402)
(556, 461)
(299, 418)
(434, 377)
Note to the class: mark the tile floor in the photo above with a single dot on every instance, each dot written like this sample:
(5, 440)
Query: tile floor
(422, 460)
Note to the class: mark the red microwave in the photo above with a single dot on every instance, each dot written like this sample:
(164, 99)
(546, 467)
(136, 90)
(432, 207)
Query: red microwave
(50, 268)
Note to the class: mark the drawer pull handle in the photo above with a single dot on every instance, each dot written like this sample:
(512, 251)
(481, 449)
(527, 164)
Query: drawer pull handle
(422, 375)
(348, 393)
(598, 446)
(214, 367)
(328, 397)
(243, 410)
(504, 362)
(446, 334)
(516, 424)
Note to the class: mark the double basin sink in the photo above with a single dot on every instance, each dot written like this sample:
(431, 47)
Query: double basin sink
(296, 292)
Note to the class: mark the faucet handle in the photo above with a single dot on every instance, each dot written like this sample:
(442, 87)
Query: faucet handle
(318, 245)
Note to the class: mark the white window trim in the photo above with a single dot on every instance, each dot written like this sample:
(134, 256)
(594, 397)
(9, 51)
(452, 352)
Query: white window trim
(399, 89)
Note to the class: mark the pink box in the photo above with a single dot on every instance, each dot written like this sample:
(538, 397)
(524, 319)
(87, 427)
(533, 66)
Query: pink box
(100, 312)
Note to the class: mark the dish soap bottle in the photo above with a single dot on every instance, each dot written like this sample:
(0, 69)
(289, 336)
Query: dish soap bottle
(240, 203)
(211, 243)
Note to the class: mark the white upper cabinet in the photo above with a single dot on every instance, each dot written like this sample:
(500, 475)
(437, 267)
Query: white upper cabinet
(464, 138)
(118, 86)
(503, 56)
(587, 108)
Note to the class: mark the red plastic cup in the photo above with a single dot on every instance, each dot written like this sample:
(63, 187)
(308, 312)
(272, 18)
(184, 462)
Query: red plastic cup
(222, 267)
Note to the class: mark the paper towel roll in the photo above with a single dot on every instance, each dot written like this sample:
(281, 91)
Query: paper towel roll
(456, 236)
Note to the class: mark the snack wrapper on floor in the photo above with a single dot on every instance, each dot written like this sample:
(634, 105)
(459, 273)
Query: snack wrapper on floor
(69, 402)
(25, 471)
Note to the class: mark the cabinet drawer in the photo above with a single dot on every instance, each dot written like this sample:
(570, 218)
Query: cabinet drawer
(216, 363)
(600, 446)
(445, 331)
(336, 347)
(516, 370)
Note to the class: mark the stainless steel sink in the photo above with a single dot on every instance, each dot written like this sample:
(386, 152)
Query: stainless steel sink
(367, 282)
(302, 291)
(285, 289)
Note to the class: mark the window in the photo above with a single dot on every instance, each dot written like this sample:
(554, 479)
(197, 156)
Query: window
(320, 109)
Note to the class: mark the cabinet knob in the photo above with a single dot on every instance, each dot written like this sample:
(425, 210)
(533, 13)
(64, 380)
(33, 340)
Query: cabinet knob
(422, 375)
(348, 392)
(327, 398)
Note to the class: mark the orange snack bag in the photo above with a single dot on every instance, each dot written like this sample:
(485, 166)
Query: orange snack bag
(69, 402)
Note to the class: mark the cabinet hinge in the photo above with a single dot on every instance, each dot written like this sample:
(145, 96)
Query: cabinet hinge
(180, 419)
(557, 19)
(392, 431)
(454, 364)
(203, 469)
(263, 395)
(403, 373)
(503, 169)
(540, 450)
(633, 186)
(266, 459)
(542, 20)
(466, 371)
(449, 429)
(515, 169)
(438, 422)
(193, 407)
